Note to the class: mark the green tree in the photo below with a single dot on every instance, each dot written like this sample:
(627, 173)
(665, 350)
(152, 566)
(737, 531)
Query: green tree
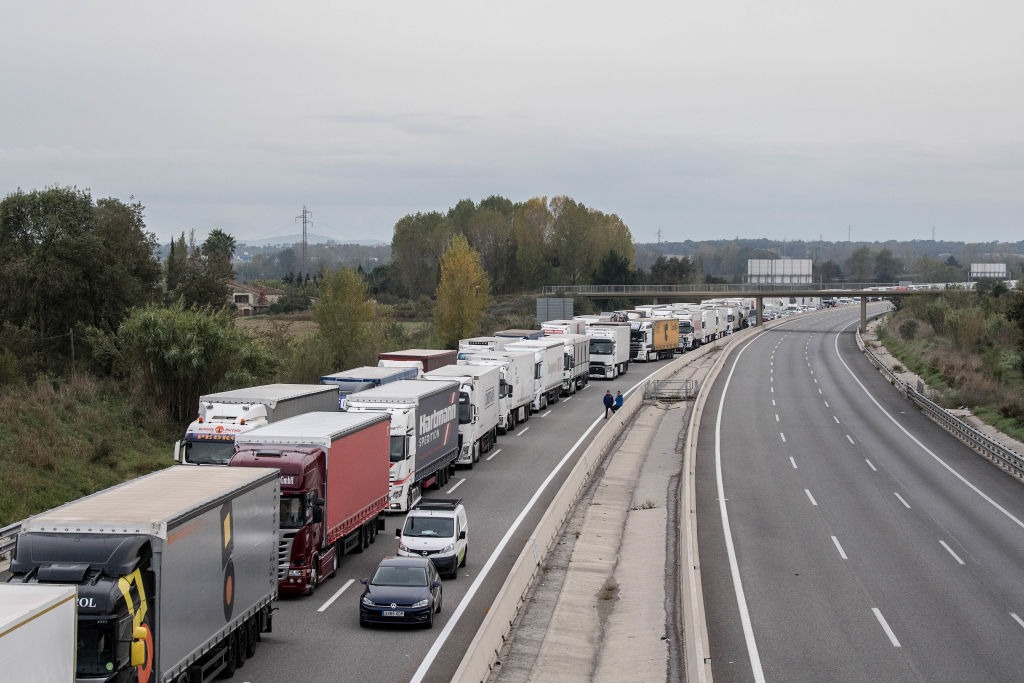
(417, 246)
(887, 266)
(175, 354)
(830, 272)
(218, 249)
(345, 316)
(672, 271)
(67, 263)
(860, 265)
(462, 295)
(175, 263)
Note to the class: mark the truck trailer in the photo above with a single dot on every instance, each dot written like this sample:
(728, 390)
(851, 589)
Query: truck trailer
(473, 345)
(548, 359)
(553, 327)
(425, 359)
(576, 361)
(515, 389)
(520, 334)
(424, 434)
(366, 377)
(334, 488)
(38, 632)
(653, 338)
(176, 571)
(609, 348)
(210, 439)
(479, 386)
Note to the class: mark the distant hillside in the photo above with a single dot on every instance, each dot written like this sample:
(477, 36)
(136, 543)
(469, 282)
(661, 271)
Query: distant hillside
(312, 239)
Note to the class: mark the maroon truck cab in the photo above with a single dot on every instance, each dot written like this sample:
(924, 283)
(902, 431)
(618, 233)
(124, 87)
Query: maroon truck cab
(333, 497)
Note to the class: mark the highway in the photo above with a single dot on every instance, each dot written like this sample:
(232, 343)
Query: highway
(843, 536)
(317, 638)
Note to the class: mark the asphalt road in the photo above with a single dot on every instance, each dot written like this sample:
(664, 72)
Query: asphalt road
(318, 638)
(844, 536)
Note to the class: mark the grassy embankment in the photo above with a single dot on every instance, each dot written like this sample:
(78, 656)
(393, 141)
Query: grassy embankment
(61, 441)
(987, 380)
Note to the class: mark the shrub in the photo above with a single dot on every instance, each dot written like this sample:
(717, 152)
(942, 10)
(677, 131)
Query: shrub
(908, 329)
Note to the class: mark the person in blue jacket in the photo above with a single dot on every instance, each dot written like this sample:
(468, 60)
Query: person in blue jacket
(609, 403)
(618, 402)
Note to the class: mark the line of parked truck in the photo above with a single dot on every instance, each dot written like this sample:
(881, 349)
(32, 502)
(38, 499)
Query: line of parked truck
(174, 573)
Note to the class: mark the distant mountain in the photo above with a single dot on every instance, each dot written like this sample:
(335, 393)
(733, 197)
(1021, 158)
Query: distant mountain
(311, 238)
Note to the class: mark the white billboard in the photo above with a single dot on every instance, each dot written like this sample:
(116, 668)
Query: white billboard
(779, 271)
(988, 270)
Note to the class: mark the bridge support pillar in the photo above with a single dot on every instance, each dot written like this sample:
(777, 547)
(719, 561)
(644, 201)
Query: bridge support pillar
(863, 313)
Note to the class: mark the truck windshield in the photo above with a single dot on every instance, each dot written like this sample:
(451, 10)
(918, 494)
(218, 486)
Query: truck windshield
(431, 527)
(601, 347)
(209, 452)
(685, 327)
(397, 448)
(293, 512)
(100, 649)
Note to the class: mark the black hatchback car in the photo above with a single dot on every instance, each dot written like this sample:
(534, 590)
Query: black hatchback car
(402, 590)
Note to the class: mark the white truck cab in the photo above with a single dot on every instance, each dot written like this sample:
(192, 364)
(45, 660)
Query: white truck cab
(436, 528)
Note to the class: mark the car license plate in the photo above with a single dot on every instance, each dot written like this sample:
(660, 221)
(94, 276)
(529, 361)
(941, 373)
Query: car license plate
(392, 613)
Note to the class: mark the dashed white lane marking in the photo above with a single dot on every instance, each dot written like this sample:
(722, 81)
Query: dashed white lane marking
(793, 461)
(870, 464)
(1017, 619)
(811, 498)
(457, 485)
(836, 419)
(849, 438)
(496, 451)
(520, 433)
(546, 414)
(783, 436)
(900, 499)
(842, 553)
(950, 551)
(776, 417)
(330, 600)
(885, 627)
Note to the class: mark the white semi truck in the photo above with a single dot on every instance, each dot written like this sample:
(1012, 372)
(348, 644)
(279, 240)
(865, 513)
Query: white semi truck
(609, 348)
(548, 358)
(38, 634)
(515, 394)
(210, 439)
(576, 364)
(424, 434)
(479, 386)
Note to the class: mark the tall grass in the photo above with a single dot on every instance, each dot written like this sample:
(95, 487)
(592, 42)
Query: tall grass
(60, 440)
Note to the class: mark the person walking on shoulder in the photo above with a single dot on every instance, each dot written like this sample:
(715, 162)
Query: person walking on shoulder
(609, 403)
(618, 402)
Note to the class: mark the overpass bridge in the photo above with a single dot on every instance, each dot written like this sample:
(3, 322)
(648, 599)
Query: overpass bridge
(759, 292)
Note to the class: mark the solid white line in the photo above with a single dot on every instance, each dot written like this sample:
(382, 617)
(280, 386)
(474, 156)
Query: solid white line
(950, 551)
(870, 465)
(910, 436)
(849, 438)
(793, 461)
(457, 484)
(737, 581)
(330, 600)
(783, 437)
(839, 548)
(1017, 619)
(836, 419)
(496, 451)
(525, 429)
(900, 498)
(885, 627)
(813, 502)
(442, 637)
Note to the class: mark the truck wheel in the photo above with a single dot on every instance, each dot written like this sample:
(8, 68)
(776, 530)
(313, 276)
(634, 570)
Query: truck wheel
(229, 656)
(241, 644)
(253, 625)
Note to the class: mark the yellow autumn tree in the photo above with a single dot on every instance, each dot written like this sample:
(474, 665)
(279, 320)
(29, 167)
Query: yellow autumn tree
(463, 293)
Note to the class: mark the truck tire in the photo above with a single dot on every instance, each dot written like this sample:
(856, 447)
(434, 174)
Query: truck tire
(253, 626)
(229, 657)
(241, 644)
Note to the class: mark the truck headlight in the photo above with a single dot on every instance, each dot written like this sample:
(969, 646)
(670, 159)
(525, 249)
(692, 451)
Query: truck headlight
(401, 547)
(448, 548)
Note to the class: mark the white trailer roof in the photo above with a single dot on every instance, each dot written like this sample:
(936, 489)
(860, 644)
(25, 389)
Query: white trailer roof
(370, 372)
(310, 428)
(148, 504)
(267, 393)
(464, 368)
(403, 390)
(20, 602)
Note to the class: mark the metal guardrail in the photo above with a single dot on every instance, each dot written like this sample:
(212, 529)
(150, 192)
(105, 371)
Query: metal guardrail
(8, 542)
(671, 390)
(1005, 458)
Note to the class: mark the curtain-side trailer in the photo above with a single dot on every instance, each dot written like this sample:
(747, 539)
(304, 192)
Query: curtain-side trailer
(176, 571)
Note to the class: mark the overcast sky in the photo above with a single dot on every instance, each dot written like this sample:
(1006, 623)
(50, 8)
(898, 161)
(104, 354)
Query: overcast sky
(790, 119)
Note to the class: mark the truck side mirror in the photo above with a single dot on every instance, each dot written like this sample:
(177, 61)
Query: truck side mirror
(462, 535)
(177, 451)
(476, 414)
(398, 533)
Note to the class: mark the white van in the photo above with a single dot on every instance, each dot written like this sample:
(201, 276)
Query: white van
(436, 528)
